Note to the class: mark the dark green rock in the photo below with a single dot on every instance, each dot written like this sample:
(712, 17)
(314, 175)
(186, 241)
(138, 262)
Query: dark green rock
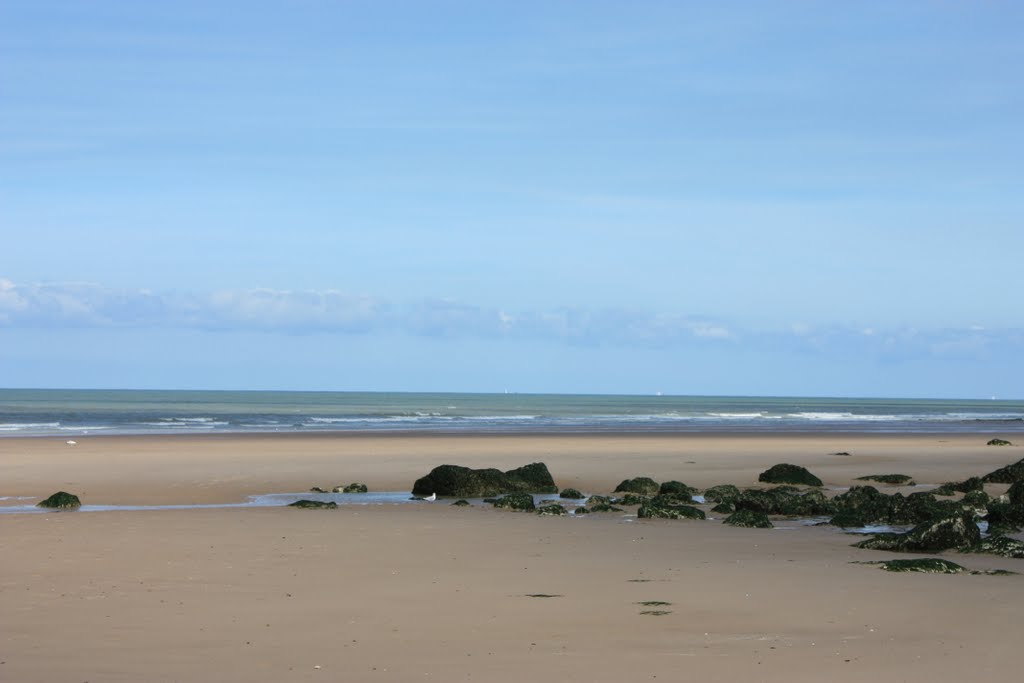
(976, 499)
(998, 545)
(1016, 493)
(599, 500)
(461, 502)
(551, 510)
(897, 479)
(670, 512)
(571, 493)
(644, 486)
(677, 489)
(930, 565)
(463, 482)
(60, 501)
(1004, 517)
(723, 493)
(581, 511)
(1006, 475)
(670, 499)
(998, 442)
(949, 533)
(785, 473)
(516, 501)
(952, 487)
(748, 518)
(355, 488)
(317, 489)
(920, 507)
(604, 507)
(313, 505)
(787, 501)
(860, 506)
(724, 508)
(632, 499)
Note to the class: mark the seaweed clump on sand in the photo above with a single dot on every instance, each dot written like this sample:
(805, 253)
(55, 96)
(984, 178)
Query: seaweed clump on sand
(896, 479)
(930, 565)
(62, 500)
(313, 505)
(785, 473)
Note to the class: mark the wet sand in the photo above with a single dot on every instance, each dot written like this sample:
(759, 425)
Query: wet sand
(432, 592)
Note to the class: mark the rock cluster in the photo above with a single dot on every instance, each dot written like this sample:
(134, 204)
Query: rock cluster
(464, 482)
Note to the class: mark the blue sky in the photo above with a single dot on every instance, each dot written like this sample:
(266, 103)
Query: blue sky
(698, 198)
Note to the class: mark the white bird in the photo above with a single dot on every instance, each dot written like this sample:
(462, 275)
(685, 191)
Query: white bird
(431, 498)
(71, 443)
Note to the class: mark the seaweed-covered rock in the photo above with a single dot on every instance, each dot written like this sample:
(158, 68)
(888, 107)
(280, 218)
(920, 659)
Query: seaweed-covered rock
(919, 507)
(785, 473)
(953, 532)
(581, 511)
(604, 507)
(1006, 475)
(929, 565)
(896, 479)
(632, 499)
(60, 501)
(317, 489)
(313, 505)
(1016, 493)
(998, 442)
(599, 500)
(977, 500)
(952, 487)
(670, 512)
(644, 486)
(551, 510)
(748, 518)
(355, 488)
(663, 499)
(571, 493)
(724, 508)
(1004, 517)
(677, 489)
(463, 482)
(461, 502)
(786, 501)
(723, 493)
(998, 545)
(516, 501)
(859, 506)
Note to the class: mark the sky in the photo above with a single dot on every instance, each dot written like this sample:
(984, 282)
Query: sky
(730, 198)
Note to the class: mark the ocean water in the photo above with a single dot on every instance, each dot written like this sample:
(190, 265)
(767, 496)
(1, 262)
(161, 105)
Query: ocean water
(50, 412)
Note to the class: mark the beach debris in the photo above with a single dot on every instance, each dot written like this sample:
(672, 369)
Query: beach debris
(551, 510)
(516, 501)
(652, 511)
(60, 501)
(644, 486)
(570, 493)
(930, 565)
(955, 532)
(461, 502)
(655, 612)
(784, 473)
(71, 442)
(897, 479)
(1006, 475)
(463, 482)
(749, 518)
(655, 603)
(313, 505)
(998, 442)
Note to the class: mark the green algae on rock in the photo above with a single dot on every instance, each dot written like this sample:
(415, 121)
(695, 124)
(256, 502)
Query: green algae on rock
(516, 501)
(313, 505)
(670, 512)
(552, 510)
(461, 502)
(929, 565)
(604, 507)
(998, 442)
(644, 486)
(571, 493)
(463, 482)
(752, 519)
(897, 479)
(677, 489)
(998, 545)
(356, 488)
(785, 473)
(948, 533)
(1006, 475)
(61, 500)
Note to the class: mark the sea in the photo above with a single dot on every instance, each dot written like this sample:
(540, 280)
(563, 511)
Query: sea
(70, 412)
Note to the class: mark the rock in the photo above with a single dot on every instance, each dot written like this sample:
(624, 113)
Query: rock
(860, 506)
(920, 507)
(677, 489)
(355, 488)
(977, 500)
(841, 453)
(313, 505)
(998, 442)
(631, 499)
(952, 487)
(644, 486)
(663, 499)
(551, 510)
(670, 512)
(462, 482)
(786, 501)
(998, 545)
(599, 500)
(516, 501)
(948, 533)
(748, 518)
(60, 500)
(604, 507)
(571, 493)
(581, 511)
(898, 479)
(930, 565)
(1004, 517)
(317, 489)
(724, 508)
(723, 493)
(789, 474)
(1016, 493)
(1006, 475)
(461, 502)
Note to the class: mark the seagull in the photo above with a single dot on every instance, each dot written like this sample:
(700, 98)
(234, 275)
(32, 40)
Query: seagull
(71, 443)
(431, 498)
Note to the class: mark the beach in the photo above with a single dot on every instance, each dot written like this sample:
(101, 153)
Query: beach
(427, 591)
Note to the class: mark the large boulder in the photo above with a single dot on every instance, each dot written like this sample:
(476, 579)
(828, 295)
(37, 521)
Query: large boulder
(644, 486)
(463, 482)
(1006, 475)
(860, 506)
(60, 500)
(957, 532)
(787, 501)
(789, 474)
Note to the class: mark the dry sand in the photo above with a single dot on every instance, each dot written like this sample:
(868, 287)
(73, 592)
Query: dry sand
(430, 592)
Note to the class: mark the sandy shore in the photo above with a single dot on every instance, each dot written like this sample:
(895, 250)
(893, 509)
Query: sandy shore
(430, 592)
